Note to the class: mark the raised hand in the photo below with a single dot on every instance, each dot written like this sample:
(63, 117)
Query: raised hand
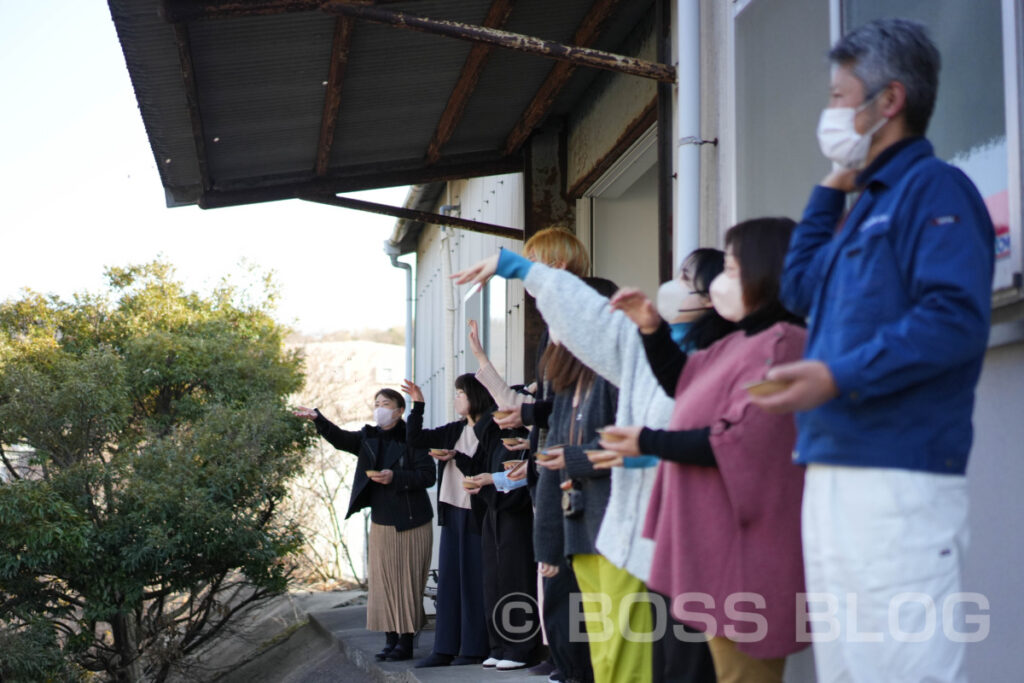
(478, 274)
(415, 393)
(637, 308)
(474, 343)
(304, 413)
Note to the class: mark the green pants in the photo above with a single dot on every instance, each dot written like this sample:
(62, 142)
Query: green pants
(618, 621)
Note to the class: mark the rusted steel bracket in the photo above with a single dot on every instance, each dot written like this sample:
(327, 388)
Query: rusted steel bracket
(584, 56)
(468, 79)
(332, 99)
(538, 108)
(413, 214)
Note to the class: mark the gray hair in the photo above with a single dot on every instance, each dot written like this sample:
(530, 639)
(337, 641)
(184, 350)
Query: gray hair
(887, 50)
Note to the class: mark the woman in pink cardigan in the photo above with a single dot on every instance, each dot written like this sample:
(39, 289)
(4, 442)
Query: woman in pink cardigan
(725, 511)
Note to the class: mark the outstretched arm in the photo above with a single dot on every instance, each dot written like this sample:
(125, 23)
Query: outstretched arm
(339, 438)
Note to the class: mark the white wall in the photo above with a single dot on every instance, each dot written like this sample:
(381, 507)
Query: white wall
(995, 474)
(497, 200)
(624, 237)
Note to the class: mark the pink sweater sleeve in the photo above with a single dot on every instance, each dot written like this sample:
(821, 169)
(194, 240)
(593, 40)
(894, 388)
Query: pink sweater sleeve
(499, 389)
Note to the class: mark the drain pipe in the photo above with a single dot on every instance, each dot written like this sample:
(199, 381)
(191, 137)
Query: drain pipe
(450, 360)
(392, 251)
(688, 145)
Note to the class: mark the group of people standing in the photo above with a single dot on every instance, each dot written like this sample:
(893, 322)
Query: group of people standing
(658, 456)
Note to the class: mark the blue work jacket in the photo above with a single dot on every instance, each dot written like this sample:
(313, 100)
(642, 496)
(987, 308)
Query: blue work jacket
(898, 300)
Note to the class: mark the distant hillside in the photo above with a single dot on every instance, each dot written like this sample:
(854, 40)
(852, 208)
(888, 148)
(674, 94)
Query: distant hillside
(394, 335)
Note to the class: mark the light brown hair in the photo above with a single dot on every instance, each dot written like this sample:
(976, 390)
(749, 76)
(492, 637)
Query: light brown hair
(557, 245)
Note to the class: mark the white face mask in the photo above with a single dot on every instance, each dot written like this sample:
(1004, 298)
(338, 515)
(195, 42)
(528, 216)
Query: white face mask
(671, 295)
(384, 417)
(676, 298)
(838, 137)
(727, 297)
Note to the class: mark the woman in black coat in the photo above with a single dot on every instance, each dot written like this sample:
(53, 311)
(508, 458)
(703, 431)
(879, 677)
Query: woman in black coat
(462, 449)
(392, 480)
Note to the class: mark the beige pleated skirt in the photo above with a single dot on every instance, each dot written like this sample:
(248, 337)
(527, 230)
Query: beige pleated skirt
(399, 564)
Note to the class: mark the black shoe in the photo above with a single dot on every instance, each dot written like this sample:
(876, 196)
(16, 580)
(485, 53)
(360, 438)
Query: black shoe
(543, 669)
(402, 651)
(435, 659)
(392, 641)
(465, 661)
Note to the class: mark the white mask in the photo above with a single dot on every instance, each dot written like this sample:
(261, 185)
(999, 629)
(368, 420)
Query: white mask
(671, 295)
(727, 297)
(838, 137)
(384, 417)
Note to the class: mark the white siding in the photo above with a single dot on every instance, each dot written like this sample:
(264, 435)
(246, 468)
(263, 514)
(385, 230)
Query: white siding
(497, 200)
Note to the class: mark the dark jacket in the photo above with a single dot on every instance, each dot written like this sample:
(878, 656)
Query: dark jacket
(515, 501)
(446, 436)
(554, 535)
(404, 503)
(899, 301)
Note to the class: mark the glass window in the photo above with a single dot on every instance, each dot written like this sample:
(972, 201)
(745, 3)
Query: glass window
(497, 305)
(968, 128)
(782, 75)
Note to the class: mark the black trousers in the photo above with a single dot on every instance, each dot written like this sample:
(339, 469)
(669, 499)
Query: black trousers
(460, 593)
(570, 655)
(678, 659)
(510, 585)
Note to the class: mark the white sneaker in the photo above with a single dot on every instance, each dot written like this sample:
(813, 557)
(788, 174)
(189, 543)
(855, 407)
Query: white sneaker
(509, 665)
(490, 663)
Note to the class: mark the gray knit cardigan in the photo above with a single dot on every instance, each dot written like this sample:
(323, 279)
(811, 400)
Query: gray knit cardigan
(608, 342)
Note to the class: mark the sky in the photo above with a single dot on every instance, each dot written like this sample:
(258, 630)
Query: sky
(79, 191)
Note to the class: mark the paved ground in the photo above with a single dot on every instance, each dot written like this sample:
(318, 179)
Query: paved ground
(346, 626)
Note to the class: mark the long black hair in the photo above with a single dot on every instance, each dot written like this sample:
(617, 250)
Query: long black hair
(704, 265)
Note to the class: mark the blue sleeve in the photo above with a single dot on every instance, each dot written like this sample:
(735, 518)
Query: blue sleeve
(512, 266)
(802, 273)
(504, 484)
(951, 289)
(639, 462)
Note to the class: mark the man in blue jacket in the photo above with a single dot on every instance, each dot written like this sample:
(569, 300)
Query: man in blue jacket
(897, 294)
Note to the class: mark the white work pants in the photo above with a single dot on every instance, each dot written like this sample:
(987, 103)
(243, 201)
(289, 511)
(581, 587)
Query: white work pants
(883, 551)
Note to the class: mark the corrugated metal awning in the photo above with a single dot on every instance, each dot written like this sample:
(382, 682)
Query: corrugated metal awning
(270, 99)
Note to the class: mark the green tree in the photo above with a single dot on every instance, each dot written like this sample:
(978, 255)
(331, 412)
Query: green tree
(145, 515)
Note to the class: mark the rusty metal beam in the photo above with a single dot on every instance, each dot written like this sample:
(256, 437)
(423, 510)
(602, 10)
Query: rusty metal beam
(180, 11)
(468, 79)
(588, 31)
(414, 215)
(191, 10)
(582, 56)
(188, 75)
(332, 98)
(255, 191)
